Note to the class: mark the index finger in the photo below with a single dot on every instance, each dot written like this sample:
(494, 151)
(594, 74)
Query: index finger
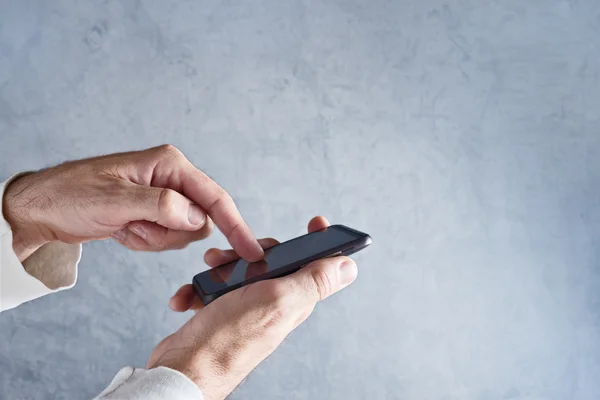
(219, 205)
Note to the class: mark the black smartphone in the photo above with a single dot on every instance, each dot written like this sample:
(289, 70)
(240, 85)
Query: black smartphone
(282, 259)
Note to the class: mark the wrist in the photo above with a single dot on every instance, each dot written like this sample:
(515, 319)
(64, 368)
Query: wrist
(213, 384)
(212, 378)
(20, 211)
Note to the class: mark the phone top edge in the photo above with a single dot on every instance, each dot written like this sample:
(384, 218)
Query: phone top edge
(354, 231)
(358, 233)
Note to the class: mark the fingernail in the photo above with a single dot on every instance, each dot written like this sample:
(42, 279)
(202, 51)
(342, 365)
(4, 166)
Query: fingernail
(196, 215)
(348, 272)
(119, 235)
(138, 230)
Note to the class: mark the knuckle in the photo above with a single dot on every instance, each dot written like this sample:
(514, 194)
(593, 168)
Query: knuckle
(223, 200)
(169, 151)
(168, 148)
(167, 202)
(322, 283)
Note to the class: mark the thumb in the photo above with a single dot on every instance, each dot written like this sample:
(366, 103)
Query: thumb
(166, 207)
(322, 278)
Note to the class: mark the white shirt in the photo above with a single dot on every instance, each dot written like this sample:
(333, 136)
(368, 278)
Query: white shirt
(53, 268)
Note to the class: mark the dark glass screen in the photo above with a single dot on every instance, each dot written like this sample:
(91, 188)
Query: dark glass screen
(279, 256)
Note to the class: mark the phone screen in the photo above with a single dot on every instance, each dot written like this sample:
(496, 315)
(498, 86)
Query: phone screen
(281, 255)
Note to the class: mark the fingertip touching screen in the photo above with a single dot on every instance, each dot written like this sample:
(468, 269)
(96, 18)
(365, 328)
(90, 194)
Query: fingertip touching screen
(279, 256)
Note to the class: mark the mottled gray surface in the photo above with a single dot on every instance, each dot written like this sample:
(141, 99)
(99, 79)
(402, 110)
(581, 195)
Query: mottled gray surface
(462, 134)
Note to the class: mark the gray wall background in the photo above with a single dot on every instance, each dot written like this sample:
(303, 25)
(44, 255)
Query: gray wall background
(462, 134)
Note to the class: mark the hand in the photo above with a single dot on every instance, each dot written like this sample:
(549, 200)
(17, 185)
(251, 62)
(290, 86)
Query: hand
(220, 345)
(147, 200)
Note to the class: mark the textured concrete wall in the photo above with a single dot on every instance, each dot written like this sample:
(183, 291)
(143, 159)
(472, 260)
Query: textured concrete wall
(464, 135)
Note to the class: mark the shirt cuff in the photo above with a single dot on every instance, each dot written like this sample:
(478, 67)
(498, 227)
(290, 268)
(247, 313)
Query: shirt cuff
(151, 384)
(53, 267)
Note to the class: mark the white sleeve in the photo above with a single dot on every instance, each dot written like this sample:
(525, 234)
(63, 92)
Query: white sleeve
(151, 384)
(53, 267)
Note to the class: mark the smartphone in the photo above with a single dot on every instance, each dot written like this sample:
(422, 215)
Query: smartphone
(282, 259)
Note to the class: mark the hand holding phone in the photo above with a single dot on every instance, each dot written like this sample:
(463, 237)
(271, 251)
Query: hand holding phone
(280, 260)
(222, 343)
